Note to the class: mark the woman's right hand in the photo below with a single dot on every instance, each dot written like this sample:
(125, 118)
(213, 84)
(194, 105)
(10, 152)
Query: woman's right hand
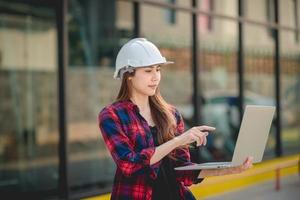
(196, 134)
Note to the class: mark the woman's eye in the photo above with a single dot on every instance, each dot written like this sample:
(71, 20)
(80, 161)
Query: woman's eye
(148, 70)
(158, 69)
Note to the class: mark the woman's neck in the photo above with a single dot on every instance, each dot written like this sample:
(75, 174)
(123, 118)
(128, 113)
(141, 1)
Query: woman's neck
(144, 107)
(141, 101)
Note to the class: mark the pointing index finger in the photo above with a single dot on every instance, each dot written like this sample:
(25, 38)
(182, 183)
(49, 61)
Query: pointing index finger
(206, 128)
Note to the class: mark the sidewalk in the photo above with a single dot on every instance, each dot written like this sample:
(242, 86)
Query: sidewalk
(290, 189)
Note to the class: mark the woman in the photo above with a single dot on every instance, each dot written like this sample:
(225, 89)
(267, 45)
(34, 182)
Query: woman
(145, 135)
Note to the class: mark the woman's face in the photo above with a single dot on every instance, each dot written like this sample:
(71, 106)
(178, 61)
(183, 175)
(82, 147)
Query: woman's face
(146, 80)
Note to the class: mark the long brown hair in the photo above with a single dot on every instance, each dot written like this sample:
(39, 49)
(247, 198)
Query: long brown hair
(161, 111)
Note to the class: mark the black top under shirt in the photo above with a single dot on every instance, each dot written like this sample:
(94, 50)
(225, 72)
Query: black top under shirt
(165, 187)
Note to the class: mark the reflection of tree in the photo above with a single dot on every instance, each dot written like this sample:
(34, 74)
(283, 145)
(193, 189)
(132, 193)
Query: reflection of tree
(78, 41)
(92, 32)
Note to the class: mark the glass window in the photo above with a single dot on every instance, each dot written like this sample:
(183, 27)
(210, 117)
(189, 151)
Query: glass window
(270, 14)
(175, 45)
(29, 111)
(259, 10)
(259, 73)
(296, 5)
(290, 94)
(288, 11)
(218, 76)
(205, 21)
(223, 7)
(289, 16)
(97, 29)
(171, 13)
(155, 29)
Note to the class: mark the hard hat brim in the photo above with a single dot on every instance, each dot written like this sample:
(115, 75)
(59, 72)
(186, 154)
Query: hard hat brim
(117, 74)
(163, 63)
(166, 63)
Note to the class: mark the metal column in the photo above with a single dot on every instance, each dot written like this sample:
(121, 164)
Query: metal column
(136, 19)
(61, 8)
(240, 59)
(196, 89)
(278, 148)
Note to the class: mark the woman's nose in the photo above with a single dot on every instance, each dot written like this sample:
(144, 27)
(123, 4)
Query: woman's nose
(155, 75)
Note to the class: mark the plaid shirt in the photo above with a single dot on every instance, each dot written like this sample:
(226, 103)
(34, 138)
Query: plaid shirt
(128, 138)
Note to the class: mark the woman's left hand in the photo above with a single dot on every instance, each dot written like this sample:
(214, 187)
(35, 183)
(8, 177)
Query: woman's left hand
(226, 171)
(241, 168)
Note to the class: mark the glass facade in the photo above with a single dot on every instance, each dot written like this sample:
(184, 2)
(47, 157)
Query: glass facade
(96, 31)
(219, 87)
(290, 92)
(30, 133)
(259, 73)
(28, 85)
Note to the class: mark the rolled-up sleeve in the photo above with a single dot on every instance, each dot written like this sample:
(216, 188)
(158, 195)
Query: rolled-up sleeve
(182, 155)
(121, 147)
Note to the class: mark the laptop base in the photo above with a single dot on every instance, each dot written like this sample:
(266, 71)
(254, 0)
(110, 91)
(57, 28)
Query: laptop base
(209, 165)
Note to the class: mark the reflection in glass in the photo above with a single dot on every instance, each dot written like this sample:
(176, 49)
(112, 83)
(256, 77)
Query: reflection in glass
(223, 7)
(28, 85)
(290, 95)
(218, 75)
(175, 46)
(262, 11)
(97, 29)
(259, 73)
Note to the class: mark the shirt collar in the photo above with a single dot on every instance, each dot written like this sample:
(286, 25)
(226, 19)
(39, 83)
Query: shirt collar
(130, 105)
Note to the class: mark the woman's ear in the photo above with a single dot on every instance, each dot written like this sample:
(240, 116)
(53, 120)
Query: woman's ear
(129, 78)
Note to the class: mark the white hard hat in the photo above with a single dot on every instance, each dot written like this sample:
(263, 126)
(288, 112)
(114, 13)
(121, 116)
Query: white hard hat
(138, 52)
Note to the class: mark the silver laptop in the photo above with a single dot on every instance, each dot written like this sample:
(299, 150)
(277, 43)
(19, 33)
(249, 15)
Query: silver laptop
(251, 141)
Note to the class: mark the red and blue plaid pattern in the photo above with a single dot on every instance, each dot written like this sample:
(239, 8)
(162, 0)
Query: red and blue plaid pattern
(129, 140)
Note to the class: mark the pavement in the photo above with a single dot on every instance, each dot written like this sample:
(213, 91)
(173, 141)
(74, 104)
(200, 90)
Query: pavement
(289, 190)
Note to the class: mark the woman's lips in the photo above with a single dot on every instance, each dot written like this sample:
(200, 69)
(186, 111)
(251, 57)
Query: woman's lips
(153, 86)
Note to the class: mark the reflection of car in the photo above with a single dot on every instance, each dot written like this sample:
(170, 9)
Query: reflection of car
(220, 109)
